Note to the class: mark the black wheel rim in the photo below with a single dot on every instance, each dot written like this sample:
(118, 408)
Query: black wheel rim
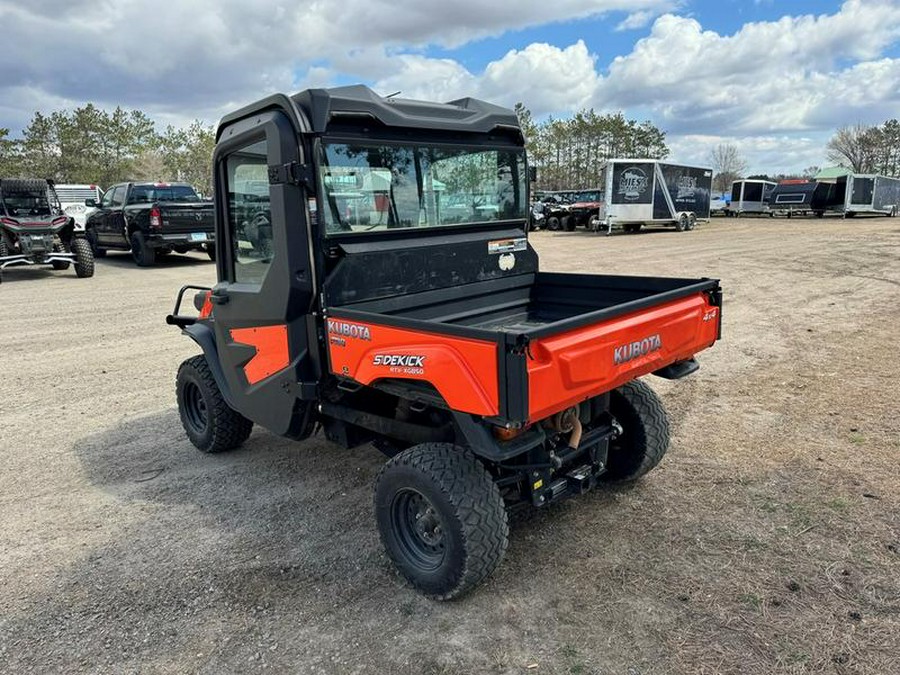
(419, 529)
(195, 408)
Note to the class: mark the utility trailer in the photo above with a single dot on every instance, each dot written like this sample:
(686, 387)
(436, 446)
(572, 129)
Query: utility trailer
(491, 385)
(795, 197)
(870, 193)
(653, 192)
(750, 196)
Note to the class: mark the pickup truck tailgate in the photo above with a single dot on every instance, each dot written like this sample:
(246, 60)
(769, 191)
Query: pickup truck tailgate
(572, 366)
(186, 217)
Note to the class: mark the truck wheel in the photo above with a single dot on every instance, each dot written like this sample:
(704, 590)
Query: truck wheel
(569, 223)
(92, 240)
(441, 517)
(645, 432)
(209, 422)
(143, 255)
(553, 223)
(84, 258)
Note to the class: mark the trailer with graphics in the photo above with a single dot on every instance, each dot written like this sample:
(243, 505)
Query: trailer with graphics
(653, 192)
(750, 196)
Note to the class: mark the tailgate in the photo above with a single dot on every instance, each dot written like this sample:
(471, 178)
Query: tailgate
(186, 218)
(572, 366)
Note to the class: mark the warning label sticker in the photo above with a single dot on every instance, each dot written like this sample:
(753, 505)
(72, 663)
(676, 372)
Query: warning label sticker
(507, 245)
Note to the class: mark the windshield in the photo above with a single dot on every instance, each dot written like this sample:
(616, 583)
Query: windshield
(368, 187)
(162, 193)
(27, 203)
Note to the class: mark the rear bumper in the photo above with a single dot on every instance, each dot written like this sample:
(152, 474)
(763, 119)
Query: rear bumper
(188, 239)
(36, 259)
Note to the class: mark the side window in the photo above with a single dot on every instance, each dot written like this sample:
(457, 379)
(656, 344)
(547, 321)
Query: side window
(118, 196)
(106, 202)
(249, 212)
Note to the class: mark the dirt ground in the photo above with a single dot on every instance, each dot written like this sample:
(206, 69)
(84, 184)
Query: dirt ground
(768, 540)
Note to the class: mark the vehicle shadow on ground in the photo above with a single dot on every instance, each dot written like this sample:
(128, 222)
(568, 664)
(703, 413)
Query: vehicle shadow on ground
(278, 536)
(21, 273)
(124, 259)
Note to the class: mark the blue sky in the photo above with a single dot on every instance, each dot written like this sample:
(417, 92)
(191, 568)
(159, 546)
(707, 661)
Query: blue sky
(774, 78)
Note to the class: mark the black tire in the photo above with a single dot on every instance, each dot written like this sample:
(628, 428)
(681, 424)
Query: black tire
(92, 240)
(553, 223)
(210, 424)
(819, 214)
(645, 436)
(569, 224)
(144, 255)
(692, 222)
(84, 258)
(682, 223)
(442, 519)
(59, 264)
(211, 251)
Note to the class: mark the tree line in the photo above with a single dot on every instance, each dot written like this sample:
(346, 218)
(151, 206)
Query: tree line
(867, 149)
(569, 153)
(95, 146)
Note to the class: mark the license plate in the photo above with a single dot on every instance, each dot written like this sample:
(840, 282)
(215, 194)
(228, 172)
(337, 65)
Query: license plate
(198, 236)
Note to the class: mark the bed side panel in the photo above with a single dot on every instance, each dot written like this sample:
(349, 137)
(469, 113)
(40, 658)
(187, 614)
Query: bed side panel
(463, 370)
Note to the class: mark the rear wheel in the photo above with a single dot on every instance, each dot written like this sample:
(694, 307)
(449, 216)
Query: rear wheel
(143, 255)
(84, 258)
(209, 422)
(682, 223)
(692, 221)
(59, 264)
(569, 223)
(645, 432)
(553, 223)
(441, 517)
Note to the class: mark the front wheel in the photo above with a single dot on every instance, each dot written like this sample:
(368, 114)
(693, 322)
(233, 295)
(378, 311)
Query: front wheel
(645, 432)
(441, 518)
(84, 258)
(209, 422)
(91, 235)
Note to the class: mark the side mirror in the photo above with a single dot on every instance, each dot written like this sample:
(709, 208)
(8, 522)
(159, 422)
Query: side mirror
(91, 202)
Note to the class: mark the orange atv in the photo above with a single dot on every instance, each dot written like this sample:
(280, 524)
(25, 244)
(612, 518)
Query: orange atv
(376, 282)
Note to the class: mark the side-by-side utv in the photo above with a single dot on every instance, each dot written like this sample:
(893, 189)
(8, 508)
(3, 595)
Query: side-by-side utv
(356, 297)
(34, 230)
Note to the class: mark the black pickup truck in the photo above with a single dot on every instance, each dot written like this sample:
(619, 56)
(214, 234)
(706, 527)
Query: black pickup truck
(151, 219)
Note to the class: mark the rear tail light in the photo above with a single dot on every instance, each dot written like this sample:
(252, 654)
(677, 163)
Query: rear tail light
(155, 218)
(60, 220)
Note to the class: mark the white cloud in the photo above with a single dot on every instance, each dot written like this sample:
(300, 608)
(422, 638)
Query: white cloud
(636, 20)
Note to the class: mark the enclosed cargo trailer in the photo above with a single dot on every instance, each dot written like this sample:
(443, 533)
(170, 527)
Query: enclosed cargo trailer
(750, 196)
(652, 192)
(870, 193)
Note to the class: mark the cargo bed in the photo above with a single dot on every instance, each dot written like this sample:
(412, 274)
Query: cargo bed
(533, 343)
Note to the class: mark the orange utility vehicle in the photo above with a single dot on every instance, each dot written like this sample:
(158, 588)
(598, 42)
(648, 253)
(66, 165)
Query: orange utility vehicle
(376, 284)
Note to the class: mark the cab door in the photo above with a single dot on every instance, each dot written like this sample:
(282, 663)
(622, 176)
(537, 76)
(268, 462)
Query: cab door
(262, 305)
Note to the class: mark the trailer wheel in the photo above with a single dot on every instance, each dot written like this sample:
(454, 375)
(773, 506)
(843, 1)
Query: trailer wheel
(553, 223)
(84, 258)
(144, 255)
(682, 223)
(645, 432)
(210, 424)
(594, 223)
(692, 222)
(442, 519)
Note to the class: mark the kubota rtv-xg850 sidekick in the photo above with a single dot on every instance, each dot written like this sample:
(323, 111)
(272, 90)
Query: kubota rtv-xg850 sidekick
(376, 282)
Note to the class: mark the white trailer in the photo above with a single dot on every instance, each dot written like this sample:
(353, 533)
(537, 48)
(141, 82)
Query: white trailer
(750, 196)
(654, 192)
